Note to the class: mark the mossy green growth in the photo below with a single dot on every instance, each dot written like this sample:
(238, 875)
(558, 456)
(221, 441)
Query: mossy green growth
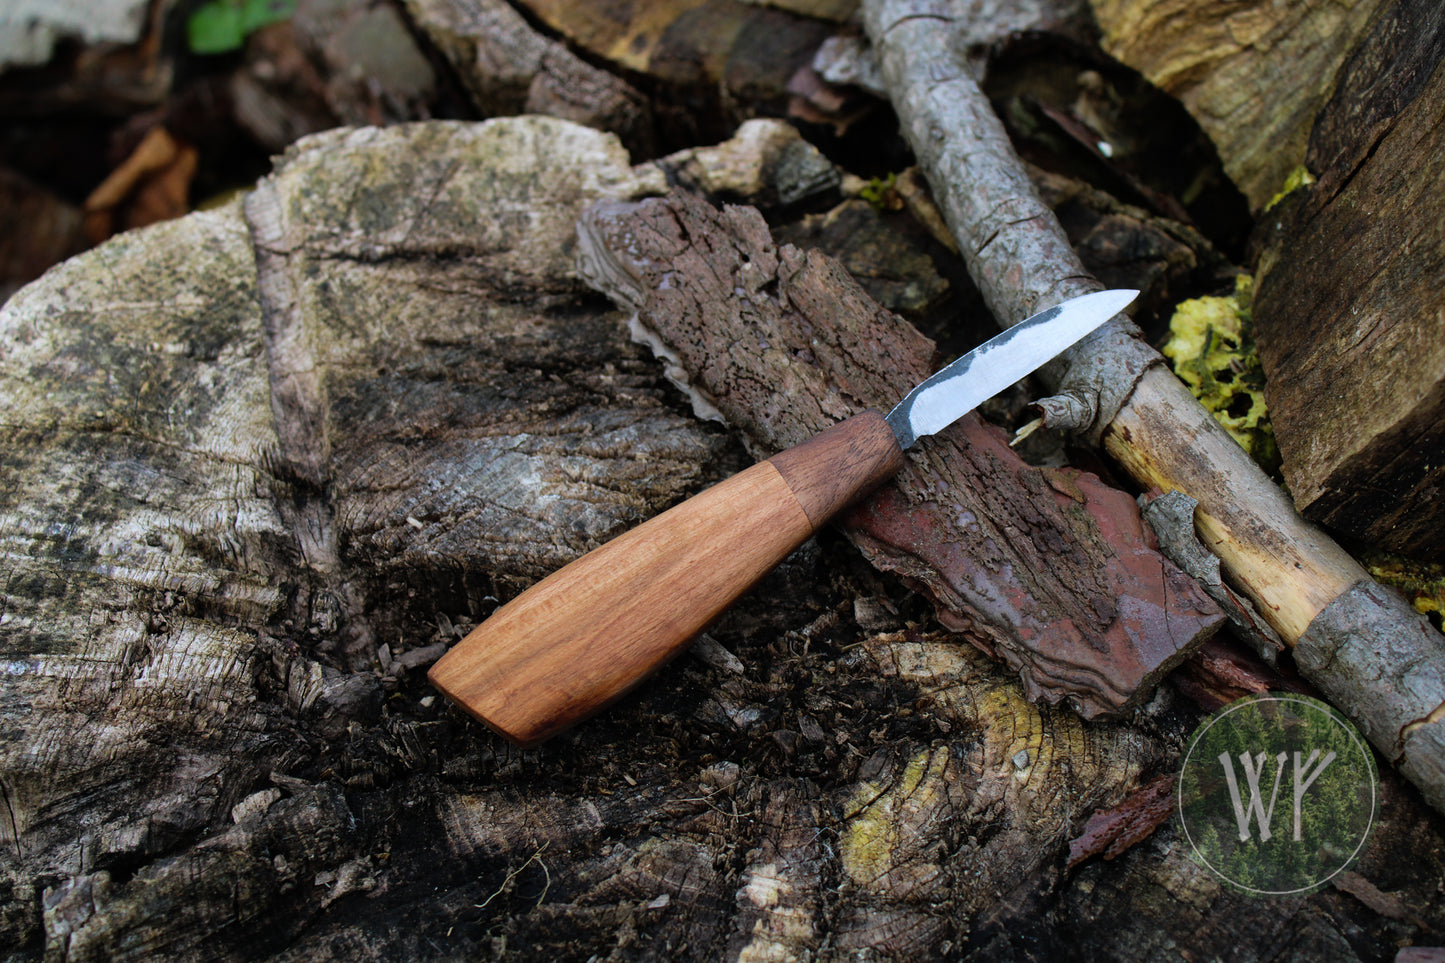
(882, 193)
(1212, 352)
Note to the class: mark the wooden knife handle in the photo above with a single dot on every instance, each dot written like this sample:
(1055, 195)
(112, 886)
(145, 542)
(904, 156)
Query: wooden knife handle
(583, 636)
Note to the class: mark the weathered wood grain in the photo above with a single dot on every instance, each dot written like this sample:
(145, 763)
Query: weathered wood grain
(1348, 313)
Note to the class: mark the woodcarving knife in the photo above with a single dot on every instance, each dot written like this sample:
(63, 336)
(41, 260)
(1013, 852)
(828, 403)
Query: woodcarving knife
(585, 635)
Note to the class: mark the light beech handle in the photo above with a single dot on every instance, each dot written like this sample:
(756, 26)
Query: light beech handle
(583, 636)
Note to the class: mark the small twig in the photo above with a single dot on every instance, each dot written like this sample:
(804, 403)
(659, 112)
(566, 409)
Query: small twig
(1025, 431)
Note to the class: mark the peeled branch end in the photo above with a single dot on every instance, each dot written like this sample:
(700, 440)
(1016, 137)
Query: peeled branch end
(1074, 410)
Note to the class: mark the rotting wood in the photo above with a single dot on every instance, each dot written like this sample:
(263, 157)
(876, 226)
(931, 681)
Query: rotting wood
(1049, 570)
(1146, 419)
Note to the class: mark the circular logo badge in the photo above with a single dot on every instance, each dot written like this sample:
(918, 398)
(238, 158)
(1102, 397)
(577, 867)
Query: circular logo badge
(1277, 794)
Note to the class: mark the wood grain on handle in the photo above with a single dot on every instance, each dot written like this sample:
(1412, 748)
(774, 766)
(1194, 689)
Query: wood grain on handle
(583, 636)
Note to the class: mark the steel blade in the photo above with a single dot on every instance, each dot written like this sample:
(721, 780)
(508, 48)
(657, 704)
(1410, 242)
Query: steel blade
(994, 365)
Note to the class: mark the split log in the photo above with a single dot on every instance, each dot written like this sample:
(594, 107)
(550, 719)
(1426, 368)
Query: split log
(1305, 585)
(1224, 61)
(1348, 311)
(215, 742)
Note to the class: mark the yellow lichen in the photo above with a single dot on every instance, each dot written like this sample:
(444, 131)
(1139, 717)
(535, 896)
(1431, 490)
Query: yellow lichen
(1423, 583)
(1212, 352)
(1299, 177)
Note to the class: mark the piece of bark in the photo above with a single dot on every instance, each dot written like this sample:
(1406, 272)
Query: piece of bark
(765, 162)
(1111, 832)
(1113, 383)
(510, 68)
(1224, 60)
(1347, 311)
(897, 274)
(1224, 670)
(1048, 570)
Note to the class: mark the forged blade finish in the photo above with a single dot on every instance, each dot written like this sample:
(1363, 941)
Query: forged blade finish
(994, 365)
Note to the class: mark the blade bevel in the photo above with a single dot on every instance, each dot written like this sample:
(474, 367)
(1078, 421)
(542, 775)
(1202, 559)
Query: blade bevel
(1014, 353)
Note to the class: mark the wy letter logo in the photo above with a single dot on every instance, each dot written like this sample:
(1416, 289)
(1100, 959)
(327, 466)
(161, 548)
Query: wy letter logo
(1276, 794)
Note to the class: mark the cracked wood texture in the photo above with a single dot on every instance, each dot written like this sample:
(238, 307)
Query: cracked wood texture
(1048, 570)
(215, 740)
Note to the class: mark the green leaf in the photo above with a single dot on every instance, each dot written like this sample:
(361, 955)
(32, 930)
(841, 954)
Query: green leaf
(222, 26)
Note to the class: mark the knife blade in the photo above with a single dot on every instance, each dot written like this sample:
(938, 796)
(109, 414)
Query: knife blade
(586, 634)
